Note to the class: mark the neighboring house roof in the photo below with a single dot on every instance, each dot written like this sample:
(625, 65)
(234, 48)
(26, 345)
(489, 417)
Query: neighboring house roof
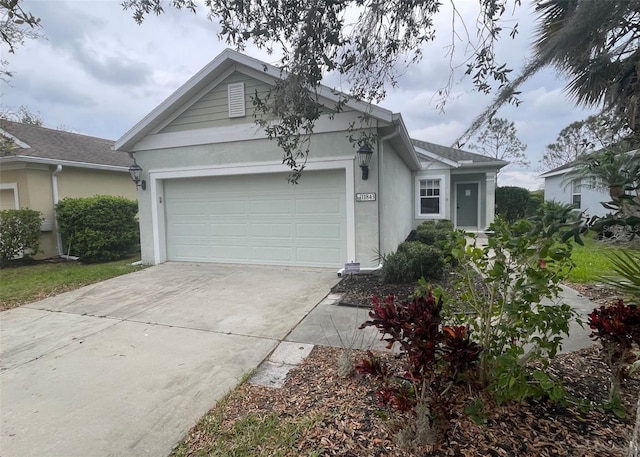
(455, 157)
(562, 169)
(228, 60)
(44, 145)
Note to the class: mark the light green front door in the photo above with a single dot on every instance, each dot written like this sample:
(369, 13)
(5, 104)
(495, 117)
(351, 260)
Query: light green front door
(467, 205)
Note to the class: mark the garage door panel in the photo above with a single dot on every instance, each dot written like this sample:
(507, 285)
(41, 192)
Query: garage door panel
(271, 230)
(222, 229)
(318, 206)
(227, 208)
(270, 206)
(319, 231)
(258, 219)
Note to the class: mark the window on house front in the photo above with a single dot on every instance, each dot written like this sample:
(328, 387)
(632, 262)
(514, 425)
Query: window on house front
(576, 193)
(430, 191)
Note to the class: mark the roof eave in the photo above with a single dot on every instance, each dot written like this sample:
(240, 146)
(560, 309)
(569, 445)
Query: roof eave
(68, 163)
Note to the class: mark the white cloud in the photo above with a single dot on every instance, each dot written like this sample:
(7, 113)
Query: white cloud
(527, 179)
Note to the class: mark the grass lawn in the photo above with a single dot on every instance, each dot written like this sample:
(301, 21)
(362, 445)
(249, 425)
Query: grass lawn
(591, 261)
(27, 283)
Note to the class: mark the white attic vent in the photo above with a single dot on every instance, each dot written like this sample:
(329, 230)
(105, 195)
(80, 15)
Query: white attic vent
(235, 93)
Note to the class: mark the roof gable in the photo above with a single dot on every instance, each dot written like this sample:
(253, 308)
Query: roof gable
(35, 143)
(225, 64)
(455, 157)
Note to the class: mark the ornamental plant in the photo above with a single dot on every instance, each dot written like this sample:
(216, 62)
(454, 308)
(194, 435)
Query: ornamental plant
(435, 357)
(502, 286)
(19, 234)
(617, 328)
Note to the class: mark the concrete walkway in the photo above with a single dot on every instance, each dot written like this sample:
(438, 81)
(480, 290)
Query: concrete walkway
(125, 367)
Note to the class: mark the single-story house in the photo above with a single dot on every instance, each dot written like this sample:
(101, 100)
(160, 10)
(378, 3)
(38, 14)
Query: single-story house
(216, 189)
(586, 195)
(40, 166)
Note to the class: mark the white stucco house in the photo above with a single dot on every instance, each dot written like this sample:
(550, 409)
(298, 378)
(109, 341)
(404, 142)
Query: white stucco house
(216, 189)
(585, 194)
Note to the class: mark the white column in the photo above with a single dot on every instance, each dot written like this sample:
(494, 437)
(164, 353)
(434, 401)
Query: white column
(490, 198)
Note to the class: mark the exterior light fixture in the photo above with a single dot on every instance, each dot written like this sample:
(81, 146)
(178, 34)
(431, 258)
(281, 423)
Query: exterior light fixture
(363, 155)
(136, 175)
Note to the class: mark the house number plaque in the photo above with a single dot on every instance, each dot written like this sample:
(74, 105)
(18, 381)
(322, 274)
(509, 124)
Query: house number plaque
(370, 197)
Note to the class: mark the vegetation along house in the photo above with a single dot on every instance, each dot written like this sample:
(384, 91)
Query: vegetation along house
(40, 166)
(215, 188)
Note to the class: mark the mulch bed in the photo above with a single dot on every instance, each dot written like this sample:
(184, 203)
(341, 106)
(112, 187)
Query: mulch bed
(351, 424)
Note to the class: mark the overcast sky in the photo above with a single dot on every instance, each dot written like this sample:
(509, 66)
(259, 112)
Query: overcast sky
(97, 72)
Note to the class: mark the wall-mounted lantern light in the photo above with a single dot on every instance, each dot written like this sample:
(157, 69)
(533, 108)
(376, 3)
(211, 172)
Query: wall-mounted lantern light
(363, 155)
(136, 175)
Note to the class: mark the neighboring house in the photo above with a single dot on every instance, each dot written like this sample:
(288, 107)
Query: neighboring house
(217, 191)
(586, 195)
(40, 166)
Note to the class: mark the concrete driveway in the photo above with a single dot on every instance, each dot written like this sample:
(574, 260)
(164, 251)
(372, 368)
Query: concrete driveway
(126, 366)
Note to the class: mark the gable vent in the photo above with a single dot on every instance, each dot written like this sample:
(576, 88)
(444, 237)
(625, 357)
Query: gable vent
(236, 99)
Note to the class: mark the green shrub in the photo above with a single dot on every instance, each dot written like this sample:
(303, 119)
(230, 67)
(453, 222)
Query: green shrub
(100, 228)
(19, 233)
(433, 232)
(512, 202)
(412, 260)
(536, 200)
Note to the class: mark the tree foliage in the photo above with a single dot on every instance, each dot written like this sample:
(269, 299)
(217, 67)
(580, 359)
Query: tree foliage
(16, 25)
(500, 140)
(22, 115)
(596, 44)
(367, 42)
(582, 137)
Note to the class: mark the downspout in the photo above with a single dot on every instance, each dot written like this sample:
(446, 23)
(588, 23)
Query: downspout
(56, 198)
(54, 185)
(381, 141)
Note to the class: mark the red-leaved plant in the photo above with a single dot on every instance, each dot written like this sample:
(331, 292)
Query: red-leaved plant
(435, 355)
(618, 329)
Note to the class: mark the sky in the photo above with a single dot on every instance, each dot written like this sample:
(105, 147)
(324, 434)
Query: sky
(95, 71)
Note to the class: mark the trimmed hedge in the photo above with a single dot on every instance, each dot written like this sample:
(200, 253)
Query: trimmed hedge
(100, 228)
(434, 232)
(512, 202)
(412, 260)
(19, 233)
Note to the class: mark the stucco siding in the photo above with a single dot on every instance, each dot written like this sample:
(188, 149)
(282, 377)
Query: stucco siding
(396, 200)
(212, 109)
(77, 183)
(259, 152)
(558, 190)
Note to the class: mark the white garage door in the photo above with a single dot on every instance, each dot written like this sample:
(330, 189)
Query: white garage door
(258, 219)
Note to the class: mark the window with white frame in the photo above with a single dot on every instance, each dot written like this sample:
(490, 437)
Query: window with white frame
(430, 197)
(576, 193)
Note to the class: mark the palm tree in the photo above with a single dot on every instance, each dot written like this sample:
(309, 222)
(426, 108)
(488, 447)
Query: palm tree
(617, 171)
(595, 43)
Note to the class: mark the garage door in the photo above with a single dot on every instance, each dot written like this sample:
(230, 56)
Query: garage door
(258, 219)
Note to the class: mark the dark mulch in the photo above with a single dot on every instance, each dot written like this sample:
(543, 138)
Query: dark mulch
(351, 424)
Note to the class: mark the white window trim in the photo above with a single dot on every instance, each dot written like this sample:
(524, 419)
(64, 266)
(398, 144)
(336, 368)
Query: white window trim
(12, 186)
(443, 191)
(576, 189)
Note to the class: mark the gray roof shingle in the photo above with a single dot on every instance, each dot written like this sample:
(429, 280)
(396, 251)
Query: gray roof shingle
(53, 144)
(457, 155)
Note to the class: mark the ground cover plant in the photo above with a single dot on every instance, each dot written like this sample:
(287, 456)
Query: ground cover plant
(26, 282)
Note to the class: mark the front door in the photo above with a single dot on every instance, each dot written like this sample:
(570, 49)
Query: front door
(467, 204)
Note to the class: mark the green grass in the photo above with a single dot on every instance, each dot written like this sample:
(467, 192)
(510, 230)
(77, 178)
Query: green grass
(591, 261)
(250, 435)
(30, 282)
